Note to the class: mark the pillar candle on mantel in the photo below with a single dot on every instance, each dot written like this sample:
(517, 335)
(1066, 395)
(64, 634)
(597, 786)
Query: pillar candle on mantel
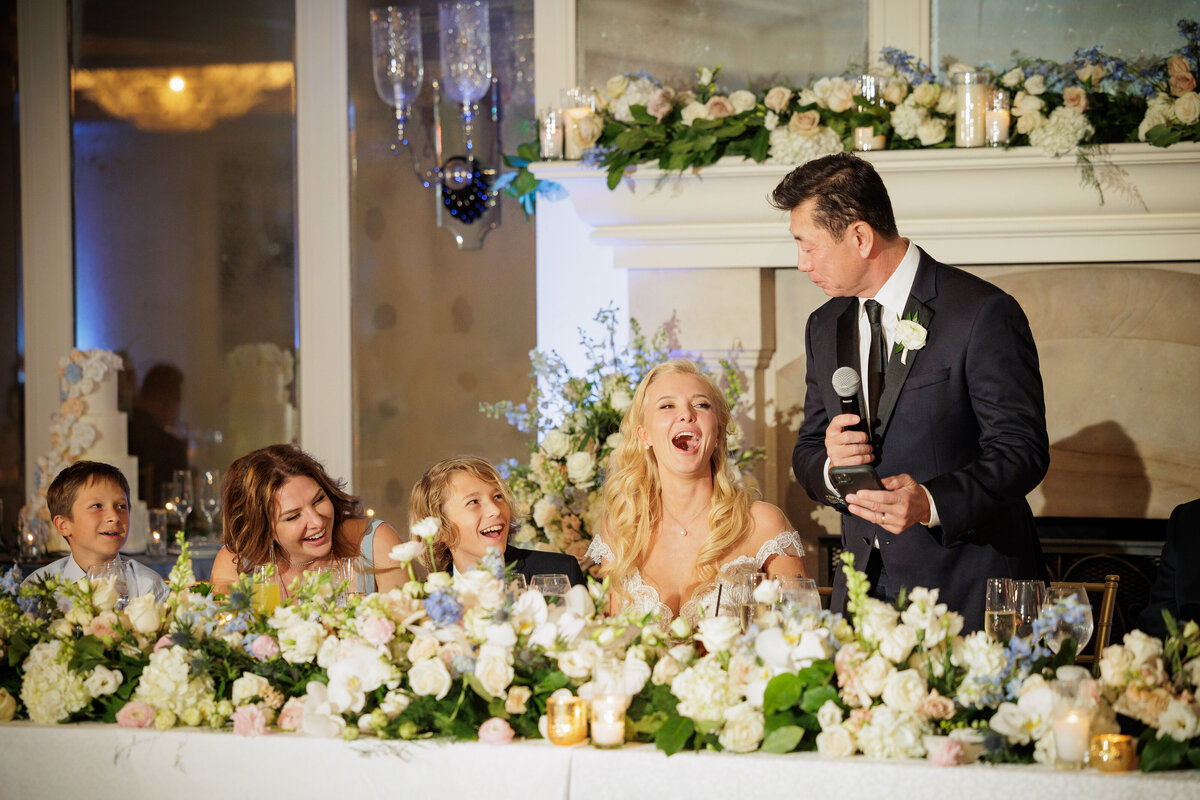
(970, 99)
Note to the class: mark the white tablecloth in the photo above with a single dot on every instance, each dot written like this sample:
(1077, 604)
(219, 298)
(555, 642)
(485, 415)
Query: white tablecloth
(103, 761)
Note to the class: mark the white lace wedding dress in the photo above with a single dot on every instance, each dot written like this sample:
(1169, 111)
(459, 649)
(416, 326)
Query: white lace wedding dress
(644, 597)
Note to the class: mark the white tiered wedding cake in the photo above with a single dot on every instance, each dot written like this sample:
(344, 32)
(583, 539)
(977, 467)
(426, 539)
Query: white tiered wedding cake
(89, 427)
(260, 410)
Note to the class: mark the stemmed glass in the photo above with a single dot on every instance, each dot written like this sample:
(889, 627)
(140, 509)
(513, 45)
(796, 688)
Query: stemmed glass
(555, 585)
(799, 591)
(466, 50)
(181, 495)
(1074, 608)
(399, 63)
(114, 570)
(1000, 610)
(1028, 597)
(209, 497)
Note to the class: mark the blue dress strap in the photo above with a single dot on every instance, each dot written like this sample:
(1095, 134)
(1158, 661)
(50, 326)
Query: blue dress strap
(367, 549)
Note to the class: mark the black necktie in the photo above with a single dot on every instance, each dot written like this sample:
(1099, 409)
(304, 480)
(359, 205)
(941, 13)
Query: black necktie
(876, 357)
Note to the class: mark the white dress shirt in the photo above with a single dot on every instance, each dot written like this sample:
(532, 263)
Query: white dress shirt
(139, 578)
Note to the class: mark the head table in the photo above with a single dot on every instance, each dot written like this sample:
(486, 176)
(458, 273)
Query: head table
(96, 760)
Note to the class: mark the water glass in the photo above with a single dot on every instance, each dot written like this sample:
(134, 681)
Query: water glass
(115, 571)
(209, 499)
(181, 496)
(517, 584)
(353, 573)
(796, 590)
(1000, 610)
(552, 585)
(1070, 602)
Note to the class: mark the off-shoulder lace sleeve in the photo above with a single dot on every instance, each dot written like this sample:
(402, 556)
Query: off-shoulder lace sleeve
(598, 551)
(786, 543)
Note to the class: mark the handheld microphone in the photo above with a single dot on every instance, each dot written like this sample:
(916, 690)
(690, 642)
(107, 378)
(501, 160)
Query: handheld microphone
(848, 388)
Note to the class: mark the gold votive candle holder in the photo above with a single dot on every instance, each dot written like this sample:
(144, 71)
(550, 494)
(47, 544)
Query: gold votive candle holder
(566, 720)
(1113, 752)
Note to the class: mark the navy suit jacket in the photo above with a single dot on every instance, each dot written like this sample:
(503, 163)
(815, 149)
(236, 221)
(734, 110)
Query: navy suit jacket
(965, 416)
(1177, 587)
(537, 562)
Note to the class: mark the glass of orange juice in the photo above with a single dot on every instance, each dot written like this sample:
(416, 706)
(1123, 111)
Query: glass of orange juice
(265, 595)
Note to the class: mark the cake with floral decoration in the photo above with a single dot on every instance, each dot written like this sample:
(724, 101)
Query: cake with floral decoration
(88, 426)
(260, 408)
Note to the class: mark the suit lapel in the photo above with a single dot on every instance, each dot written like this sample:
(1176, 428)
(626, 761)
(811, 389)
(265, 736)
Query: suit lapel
(847, 337)
(897, 372)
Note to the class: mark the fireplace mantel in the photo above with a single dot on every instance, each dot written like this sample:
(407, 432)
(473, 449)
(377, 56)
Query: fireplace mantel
(977, 206)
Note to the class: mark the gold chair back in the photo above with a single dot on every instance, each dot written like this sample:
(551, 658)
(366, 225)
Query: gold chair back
(1103, 613)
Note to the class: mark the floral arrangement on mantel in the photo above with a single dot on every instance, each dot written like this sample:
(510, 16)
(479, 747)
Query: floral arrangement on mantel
(559, 491)
(464, 658)
(1093, 99)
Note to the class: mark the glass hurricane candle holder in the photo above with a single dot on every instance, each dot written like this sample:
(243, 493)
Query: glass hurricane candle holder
(1071, 721)
(970, 98)
(550, 133)
(32, 539)
(868, 88)
(608, 720)
(566, 720)
(156, 542)
(1113, 752)
(578, 104)
(996, 118)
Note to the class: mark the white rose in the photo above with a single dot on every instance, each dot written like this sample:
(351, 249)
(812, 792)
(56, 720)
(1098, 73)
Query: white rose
(246, 688)
(144, 614)
(299, 643)
(637, 672)
(545, 512)
(1187, 108)
(430, 677)
(102, 681)
(1025, 103)
(1029, 122)
(898, 643)
(1035, 85)
(1013, 77)
(911, 335)
(932, 131)
(692, 112)
(665, 670)
(575, 664)
(895, 91)
(743, 729)
(829, 715)
(493, 670)
(841, 95)
(926, 94)
(778, 98)
(620, 400)
(718, 633)
(581, 467)
(501, 635)
(947, 103)
(393, 703)
(742, 101)
(422, 648)
(617, 85)
(905, 690)
(836, 742)
(1143, 648)
(1152, 120)
(104, 594)
(878, 619)
(874, 674)
(556, 444)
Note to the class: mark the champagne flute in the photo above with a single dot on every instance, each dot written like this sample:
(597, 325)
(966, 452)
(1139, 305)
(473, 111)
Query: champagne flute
(209, 498)
(1000, 610)
(1074, 608)
(399, 64)
(466, 50)
(114, 571)
(552, 585)
(181, 496)
(1028, 596)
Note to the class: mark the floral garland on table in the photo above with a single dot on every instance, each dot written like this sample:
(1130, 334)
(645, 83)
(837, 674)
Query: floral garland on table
(560, 490)
(1091, 100)
(462, 657)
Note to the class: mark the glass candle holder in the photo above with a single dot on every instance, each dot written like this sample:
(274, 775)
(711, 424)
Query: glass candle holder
(997, 117)
(869, 89)
(550, 133)
(1071, 721)
(970, 100)
(578, 104)
(608, 720)
(1113, 752)
(156, 541)
(566, 720)
(32, 542)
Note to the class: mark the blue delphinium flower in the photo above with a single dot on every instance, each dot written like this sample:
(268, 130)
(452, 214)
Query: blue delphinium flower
(443, 607)
(493, 562)
(461, 665)
(11, 581)
(73, 373)
(594, 156)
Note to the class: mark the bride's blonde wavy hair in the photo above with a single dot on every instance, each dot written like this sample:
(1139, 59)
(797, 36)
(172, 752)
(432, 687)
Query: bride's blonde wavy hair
(633, 491)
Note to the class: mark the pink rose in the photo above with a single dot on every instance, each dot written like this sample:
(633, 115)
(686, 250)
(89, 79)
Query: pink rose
(495, 731)
(946, 753)
(264, 648)
(249, 720)
(1075, 98)
(101, 627)
(136, 714)
(1177, 65)
(378, 630)
(718, 106)
(660, 103)
(291, 718)
(164, 641)
(1182, 83)
(778, 98)
(936, 707)
(805, 123)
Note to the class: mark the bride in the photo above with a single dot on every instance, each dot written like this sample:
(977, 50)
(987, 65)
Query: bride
(675, 526)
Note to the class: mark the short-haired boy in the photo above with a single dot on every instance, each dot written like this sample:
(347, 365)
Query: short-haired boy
(89, 506)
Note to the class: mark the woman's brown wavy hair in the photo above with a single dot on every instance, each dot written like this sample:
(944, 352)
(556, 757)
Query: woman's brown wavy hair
(249, 507)
(633, 492)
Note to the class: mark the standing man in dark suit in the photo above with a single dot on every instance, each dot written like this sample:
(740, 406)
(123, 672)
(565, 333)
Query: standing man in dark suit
(953, 397)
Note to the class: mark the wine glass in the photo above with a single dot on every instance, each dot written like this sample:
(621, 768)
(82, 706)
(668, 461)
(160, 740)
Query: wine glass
(466, 50)
(799, 591)
(517, 584)
(181, 495)
(1070, 602)
(1027, 597)
(1000, 610)
(399, 63)
(554, 585)
(115, 571)
(209, 499)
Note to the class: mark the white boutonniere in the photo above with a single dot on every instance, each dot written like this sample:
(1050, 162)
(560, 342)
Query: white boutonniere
(910, 335)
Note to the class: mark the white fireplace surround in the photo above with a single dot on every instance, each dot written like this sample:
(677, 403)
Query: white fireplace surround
(708, 248)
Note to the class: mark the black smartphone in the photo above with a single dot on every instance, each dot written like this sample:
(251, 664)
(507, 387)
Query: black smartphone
(848, 480)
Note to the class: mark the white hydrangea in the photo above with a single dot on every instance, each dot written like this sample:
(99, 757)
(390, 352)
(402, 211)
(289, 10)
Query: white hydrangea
(637, 93)
(167, 683)
(893, 734)
(51, 691)
(907, 118)
(1061, 132)
(704, 693)
(792, 148)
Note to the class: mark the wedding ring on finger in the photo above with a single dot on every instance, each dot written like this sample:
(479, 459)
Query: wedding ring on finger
(883, 519)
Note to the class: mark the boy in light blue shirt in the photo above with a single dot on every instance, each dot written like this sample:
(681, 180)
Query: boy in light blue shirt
(89, 506)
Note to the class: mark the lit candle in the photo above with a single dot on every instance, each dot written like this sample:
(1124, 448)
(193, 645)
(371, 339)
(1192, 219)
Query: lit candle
(550, 132)
(574, 142)
(1072, 735)
(566, 720)
(995, 124)
(865, 139)
(970, 96)
(608, 720)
